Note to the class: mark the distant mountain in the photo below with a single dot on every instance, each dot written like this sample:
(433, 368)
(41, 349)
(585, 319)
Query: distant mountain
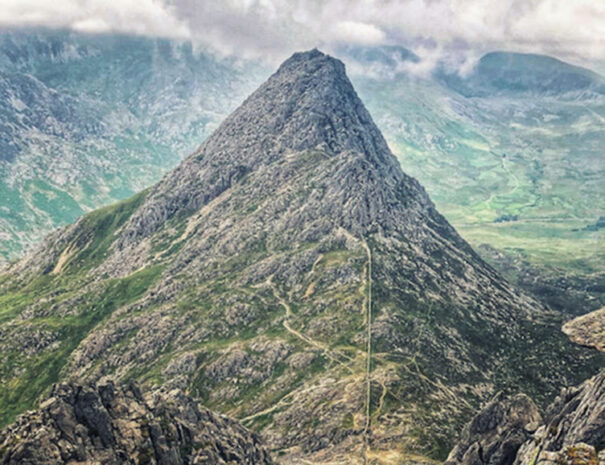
(88, 120)
(289, 274)
(502, 73)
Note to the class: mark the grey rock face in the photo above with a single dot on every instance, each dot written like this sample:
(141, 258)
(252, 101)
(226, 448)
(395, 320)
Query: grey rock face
(496, 433)
(108, 424)
(308, 104)
(577, 416)
(572, 432)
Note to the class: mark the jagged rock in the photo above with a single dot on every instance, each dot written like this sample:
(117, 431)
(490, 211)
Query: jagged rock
(507, 432)
(588, 330)
(107, 424)
(496, 433)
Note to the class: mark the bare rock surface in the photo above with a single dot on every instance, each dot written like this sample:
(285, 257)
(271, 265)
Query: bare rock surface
(496, 433)
(510, 431)
(588, 330)
(107, 424)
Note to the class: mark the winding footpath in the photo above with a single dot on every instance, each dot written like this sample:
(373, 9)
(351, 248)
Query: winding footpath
(368, 369)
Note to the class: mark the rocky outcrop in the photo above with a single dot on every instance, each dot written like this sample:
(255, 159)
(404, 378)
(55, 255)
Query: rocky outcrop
(107, 424)
(496, 433)
(588, 330)
(507, 432)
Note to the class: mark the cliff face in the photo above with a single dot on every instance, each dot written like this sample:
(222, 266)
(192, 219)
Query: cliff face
(289, 274)
(108, 424)
(511, 431)
(572, 431)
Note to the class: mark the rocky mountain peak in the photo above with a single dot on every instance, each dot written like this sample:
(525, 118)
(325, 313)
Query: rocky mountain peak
(307, 106)
(289, 274)
(309, 103)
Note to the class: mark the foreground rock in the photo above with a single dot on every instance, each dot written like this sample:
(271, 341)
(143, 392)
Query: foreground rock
(497, 432)
(106, 424)
(506, 431)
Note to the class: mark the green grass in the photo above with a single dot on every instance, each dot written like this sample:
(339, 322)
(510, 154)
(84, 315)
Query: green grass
(39, 372)
(97, 231)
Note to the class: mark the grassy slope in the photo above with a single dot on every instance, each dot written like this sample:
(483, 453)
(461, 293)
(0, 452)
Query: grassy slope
(31, 371)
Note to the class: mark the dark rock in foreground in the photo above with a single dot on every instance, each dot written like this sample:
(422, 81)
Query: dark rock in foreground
(506, 431)
(108, 424)
(497, 432)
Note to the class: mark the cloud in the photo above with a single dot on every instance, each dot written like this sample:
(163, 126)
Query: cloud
(355, 32)
(273, 29)
(140, 17)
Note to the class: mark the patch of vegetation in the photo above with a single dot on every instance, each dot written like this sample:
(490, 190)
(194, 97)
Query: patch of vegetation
(38, 372)
(97, 231)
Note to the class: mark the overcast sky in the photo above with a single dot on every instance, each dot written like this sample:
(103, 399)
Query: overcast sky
(272, 29)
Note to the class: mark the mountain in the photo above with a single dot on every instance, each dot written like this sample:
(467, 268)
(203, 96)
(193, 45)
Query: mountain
(502, 73)
(111, 424)
(288, 274)
(522, 159)
(89, 120)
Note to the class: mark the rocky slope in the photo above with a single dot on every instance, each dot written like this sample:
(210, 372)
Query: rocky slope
(108, 424)
(572, 431)
(287, 273)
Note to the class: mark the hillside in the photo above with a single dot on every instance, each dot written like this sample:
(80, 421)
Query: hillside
(88, 120)
(523, 167)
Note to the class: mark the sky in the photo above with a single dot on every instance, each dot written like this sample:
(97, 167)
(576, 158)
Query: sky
(573, 30)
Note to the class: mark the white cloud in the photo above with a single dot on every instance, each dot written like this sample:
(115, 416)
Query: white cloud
(355, 32)
(142, 17)
(273, 29)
